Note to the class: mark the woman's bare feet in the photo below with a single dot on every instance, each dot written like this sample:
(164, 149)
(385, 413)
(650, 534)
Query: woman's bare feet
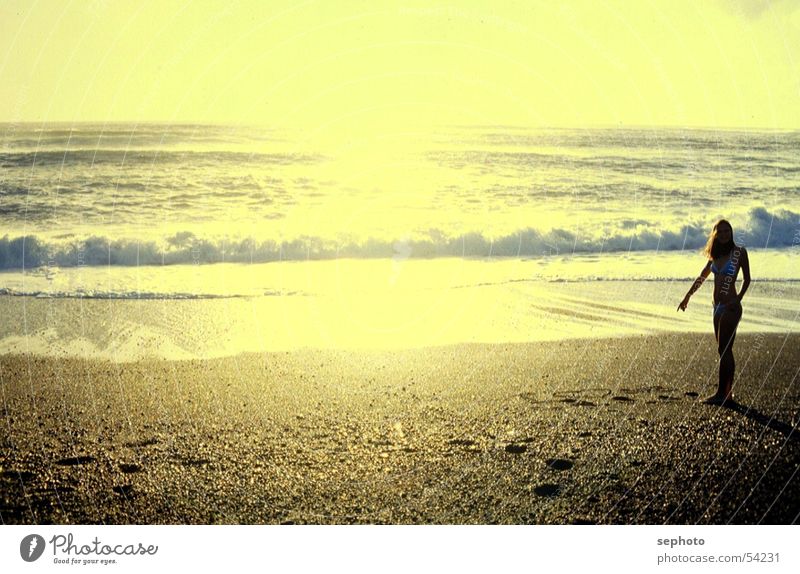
(721, 397)
(716, 399)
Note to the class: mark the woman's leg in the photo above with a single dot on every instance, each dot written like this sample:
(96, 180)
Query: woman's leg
(721, 388)
(725, 325)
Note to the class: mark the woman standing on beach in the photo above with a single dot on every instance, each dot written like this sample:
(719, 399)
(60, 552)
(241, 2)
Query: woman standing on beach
(725, 258)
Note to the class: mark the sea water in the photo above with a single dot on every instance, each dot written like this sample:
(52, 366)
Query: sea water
(182, 241)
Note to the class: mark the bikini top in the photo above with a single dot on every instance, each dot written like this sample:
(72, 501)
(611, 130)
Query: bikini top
(728, 269)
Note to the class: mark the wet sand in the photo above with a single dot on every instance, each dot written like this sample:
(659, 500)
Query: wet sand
(583, 431)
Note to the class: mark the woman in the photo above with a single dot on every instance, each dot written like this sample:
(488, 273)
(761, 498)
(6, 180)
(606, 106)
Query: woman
(725, 258)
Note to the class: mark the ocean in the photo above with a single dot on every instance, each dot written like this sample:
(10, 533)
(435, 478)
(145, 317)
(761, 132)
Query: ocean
(183, 241)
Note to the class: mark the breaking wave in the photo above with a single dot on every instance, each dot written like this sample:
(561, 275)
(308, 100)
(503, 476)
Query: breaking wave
(762, 229)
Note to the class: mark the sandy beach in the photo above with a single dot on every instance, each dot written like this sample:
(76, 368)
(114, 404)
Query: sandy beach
(577, 432)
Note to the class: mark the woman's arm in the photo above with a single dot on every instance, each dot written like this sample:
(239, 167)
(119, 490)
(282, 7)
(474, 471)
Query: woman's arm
(695, 286)
(745, 267)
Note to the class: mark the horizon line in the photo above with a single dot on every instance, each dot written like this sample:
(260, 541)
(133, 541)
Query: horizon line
(276, 126)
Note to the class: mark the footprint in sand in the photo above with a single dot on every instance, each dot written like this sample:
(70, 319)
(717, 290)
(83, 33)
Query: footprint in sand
(547, 490)
(75, 460)
(22, 475)
(124, 490)
(578, 403)
(559, 463)
(516, 448)
(622, 399)
(195, 462)
(594, 393)
(130, 468)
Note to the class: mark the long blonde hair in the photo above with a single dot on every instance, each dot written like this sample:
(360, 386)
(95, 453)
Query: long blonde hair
(713, 249)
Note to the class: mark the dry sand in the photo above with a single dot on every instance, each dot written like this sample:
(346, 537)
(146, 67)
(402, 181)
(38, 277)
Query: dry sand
(584, 431)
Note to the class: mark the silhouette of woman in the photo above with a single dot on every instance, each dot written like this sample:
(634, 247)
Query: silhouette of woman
(725, 258)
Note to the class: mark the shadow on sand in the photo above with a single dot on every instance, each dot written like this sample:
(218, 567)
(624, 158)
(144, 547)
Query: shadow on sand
(788, 430)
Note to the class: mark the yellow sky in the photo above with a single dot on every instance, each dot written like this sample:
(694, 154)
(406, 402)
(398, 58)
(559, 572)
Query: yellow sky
(336, 65)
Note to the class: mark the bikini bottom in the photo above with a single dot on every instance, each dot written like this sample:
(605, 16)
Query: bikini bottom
(720, 308)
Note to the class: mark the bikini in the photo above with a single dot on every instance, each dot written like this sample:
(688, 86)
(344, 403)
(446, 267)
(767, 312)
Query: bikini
(728, 269)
